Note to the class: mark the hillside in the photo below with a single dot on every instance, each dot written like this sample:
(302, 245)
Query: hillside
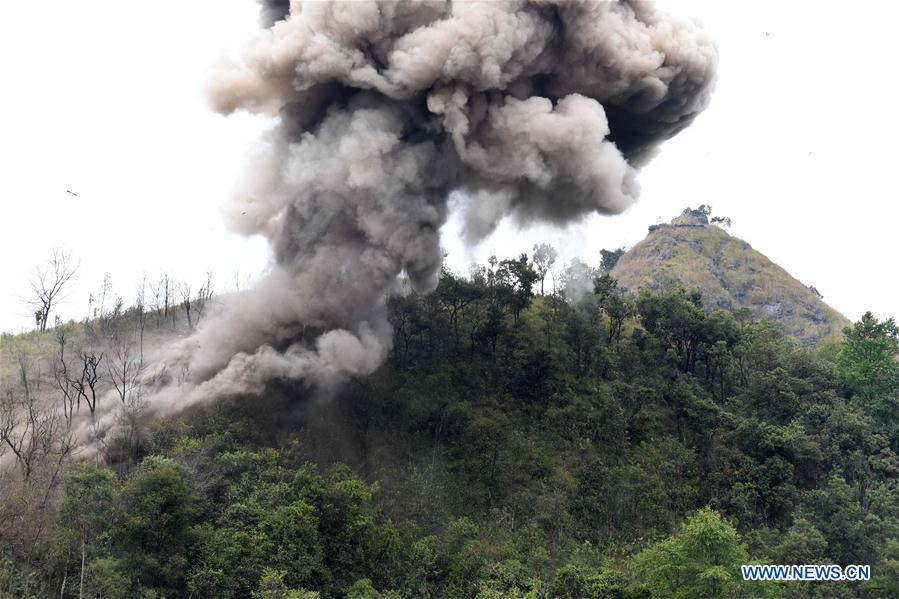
(513, 446)
(731, 275)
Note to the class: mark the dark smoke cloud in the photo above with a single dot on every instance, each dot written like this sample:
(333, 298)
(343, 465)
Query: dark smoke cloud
(272, 11)
(535, 109)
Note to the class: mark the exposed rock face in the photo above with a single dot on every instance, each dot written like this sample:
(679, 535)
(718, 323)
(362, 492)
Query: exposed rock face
(691, 217)
(730, 274)
(687, 218)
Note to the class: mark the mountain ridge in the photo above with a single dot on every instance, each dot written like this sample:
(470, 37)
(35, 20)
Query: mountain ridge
(691, 253)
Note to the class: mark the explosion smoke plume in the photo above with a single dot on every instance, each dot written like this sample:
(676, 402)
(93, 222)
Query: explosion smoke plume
(536, 109)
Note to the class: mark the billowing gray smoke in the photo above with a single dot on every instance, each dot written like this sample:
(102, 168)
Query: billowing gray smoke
(535, 109)
(272, 11)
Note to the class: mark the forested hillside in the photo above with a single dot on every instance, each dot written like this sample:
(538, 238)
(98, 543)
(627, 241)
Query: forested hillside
(574, 444)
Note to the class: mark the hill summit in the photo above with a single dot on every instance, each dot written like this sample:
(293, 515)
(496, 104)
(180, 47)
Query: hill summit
(691, 253)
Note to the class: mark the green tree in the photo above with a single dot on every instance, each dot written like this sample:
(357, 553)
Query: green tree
(868, 362)
(803, 544)
(702, 560)
(106, 580)
(609, 258)
(228, 560)
(364, 589)
(152, 534)
(544, 259)
(612, 302)
(272, 586)
(675, 318)
(292, 545)
(520, 277)
(572, 582)
(88, 499)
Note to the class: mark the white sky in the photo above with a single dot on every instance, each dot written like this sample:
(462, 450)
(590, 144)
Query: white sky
(105, 98)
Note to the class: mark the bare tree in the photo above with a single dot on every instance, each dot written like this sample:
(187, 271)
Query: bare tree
(88, 382)
(15, 427)
(163, 292)
(48, 283)
(31, 432)
(186, 299)
(64, 382)
(160, 301)
(106, 316)
(140, 309)
(544, 259)
(77, 387)
(35, 435)
(124, 370)
(115, 319)
(104, 291)
(169, 299)
(203, 297)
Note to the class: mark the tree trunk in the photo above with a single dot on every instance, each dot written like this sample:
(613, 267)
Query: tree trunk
(81, 583)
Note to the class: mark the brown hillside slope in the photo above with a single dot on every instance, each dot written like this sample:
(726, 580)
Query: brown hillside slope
(730, 275)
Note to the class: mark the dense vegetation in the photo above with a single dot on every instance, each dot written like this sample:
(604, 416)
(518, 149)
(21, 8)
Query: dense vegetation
(578, 444)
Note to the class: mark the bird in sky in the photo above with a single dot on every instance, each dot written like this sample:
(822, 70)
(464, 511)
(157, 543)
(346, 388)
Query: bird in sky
(69, 191)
